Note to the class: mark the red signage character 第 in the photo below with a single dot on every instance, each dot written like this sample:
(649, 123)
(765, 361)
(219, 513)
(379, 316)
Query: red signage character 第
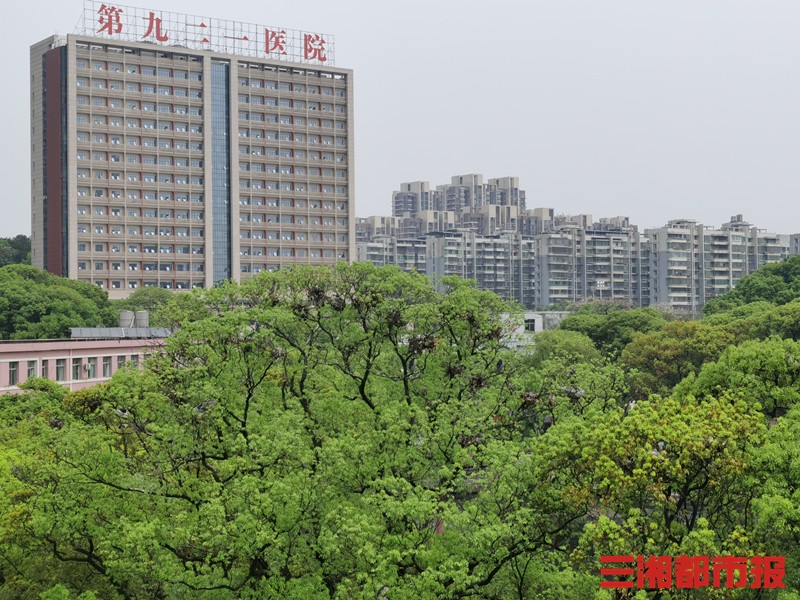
(109, 20)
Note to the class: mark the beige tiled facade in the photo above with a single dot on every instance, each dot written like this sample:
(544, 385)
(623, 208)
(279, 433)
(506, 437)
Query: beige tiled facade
(163, 166)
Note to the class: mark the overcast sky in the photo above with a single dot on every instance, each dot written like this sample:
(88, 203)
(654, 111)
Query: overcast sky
(652, 109)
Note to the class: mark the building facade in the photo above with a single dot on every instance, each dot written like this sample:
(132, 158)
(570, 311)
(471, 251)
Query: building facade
(690, 263)
(74, 364)
(483, 231)
(179, 164)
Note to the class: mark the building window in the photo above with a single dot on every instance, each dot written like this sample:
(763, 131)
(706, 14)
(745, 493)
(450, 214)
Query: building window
(61, 369)
(31, 368)
(13, 373)
(45, 369)
(76, 369)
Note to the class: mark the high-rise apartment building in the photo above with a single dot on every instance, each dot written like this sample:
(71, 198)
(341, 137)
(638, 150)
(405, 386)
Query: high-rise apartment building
(177, 151)
(483, 231)
(690, 264)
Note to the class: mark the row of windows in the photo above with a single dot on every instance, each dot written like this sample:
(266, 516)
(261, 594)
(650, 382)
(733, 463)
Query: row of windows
(133, 176)
(298, 154)
(114, 67)
(288, 103)
(147, 213)
(290, 236)
(134, 123)
(245, 149)
(290, 203)
(288, 136)
(289, 170)
(291, 120)
(288, 186)
(136, 230)
(144, 88)
(135, 159)
(135, 266)
(161, 107)
(300, 236)
(134, 140)
(81, 368)
(146, 248)
(285, 86)
(167, 285)
(144, 195)
(290, 219)
(293, 253)
(132, 158)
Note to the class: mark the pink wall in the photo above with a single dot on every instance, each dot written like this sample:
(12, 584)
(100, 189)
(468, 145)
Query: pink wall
(52, 351)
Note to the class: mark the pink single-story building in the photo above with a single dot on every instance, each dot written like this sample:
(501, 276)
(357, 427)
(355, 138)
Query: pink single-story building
(75, 364)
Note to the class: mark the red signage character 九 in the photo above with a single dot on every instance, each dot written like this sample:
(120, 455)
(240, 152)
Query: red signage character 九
(154, 25)
(109, 19)
(275, 41)
(314, 47)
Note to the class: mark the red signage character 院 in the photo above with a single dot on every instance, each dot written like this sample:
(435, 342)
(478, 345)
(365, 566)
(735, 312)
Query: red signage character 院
(314, 47)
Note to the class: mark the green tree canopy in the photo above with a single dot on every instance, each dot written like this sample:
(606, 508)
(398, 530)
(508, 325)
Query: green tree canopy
(613, 328)
(352, 433)
(662, 358)
(16, 250)
(563, 343)
(309, 434)
(778, 283)
(765, 372)
(35, 304)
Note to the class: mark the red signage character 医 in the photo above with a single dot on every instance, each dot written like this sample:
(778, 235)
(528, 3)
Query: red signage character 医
(275, 41)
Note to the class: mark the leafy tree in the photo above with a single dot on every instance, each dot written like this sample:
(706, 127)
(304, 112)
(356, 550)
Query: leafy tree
(311, 433)
(36, 304)
(563, 343)
(765, 373)
(662, 358)
(352, 433)
(778, 506)
(614, 328)
(778, 283)
(672, 477)
(16, 250)
(759, 320)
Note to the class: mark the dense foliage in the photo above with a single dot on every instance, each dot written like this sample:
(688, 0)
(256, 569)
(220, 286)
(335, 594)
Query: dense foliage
(37, 304)
(351, 433)
(16, 250)
(778, 283)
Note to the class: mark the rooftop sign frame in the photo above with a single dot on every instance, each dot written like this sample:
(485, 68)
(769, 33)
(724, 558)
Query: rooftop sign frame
(118, 22)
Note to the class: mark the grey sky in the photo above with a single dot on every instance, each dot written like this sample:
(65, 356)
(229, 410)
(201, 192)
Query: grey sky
(648, 108)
